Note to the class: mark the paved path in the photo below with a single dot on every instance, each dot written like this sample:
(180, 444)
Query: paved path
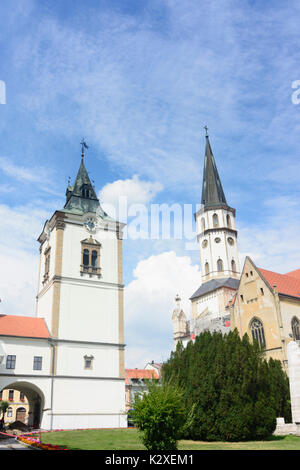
(12, 444)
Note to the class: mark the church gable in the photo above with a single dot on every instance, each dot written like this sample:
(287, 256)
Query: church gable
(255, 309)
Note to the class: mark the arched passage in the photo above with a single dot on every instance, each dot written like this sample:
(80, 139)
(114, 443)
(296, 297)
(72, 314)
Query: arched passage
(36, 400)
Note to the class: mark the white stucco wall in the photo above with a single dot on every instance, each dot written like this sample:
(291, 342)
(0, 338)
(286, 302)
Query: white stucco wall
(293, 353)
(70, 360)
(25, 349)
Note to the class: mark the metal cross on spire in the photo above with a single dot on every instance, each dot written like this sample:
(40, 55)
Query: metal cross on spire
(83, 146)
(206, 129)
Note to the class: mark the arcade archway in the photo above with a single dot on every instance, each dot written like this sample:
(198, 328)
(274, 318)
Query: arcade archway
(36, 401)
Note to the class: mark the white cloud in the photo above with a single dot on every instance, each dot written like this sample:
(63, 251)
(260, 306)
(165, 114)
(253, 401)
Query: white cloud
(19, 254)
(136, 191)
(273, 241)
(118, 197)
(21, 173)
(149, 302)
(18, 281)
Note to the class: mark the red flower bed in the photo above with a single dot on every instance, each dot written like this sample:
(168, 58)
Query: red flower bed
(33, 440)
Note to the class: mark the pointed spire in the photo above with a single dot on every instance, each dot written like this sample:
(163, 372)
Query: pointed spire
(212, 191)
(82, 196)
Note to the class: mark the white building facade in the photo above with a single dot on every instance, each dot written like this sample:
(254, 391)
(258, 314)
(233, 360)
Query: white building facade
(80, 298)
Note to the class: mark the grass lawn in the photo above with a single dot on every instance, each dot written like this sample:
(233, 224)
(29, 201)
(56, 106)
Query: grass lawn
(127, 439)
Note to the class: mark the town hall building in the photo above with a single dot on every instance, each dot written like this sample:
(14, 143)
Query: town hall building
(69, 358)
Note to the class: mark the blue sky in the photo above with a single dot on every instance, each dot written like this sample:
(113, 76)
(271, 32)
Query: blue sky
(139, 80)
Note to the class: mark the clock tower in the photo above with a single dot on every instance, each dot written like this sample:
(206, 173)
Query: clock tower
(80, 295)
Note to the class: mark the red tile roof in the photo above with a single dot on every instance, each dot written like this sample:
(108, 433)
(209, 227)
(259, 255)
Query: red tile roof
(285, 283)
(295, 273)
(30, 327)
(140, 374)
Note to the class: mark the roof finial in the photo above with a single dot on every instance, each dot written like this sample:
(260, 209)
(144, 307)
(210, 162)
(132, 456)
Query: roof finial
(206, 129)
(83, 146)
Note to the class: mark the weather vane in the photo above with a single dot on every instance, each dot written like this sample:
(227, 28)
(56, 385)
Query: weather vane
(206, 129)
(83, 146)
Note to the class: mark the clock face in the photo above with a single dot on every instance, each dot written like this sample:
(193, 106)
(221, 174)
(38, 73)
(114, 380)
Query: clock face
(217, 240)
(91, 224)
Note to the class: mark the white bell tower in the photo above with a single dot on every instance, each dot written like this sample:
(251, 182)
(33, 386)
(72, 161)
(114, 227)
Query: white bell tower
(216, 230)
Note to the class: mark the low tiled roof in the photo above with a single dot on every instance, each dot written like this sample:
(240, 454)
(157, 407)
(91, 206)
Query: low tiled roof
(29, 327)
(214, 284)
(295, 273)
(286, 284)
(140, 374)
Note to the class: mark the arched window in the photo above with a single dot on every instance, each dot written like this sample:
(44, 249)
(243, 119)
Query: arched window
(228, 221)
(206, 268)
(203, 224)
(295, 329)
(220, 265)
(9, 412)
(233, 266)
(257, 331)
(94, 259)
(215, 220)
(86, 257)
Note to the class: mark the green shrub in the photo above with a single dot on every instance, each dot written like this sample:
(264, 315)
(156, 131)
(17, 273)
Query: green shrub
(159, 414)
(234, 392)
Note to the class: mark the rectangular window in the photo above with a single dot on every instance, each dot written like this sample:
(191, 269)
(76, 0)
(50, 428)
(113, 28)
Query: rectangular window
(11, 395)
(10, 362)
(88, 362)
(1, 394)
(22, 396)
(37, 363)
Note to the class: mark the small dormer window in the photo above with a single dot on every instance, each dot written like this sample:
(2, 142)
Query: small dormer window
(86, 191)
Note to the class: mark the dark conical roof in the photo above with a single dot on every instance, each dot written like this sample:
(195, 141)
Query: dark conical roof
(212, 191)
(81, 197)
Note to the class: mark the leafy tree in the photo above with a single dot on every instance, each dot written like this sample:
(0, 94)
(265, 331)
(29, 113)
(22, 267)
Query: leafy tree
(159, 414)
(3, 408)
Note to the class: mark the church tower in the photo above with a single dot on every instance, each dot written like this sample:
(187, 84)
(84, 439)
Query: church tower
(219, 258)
(216, 230)
(80, 295)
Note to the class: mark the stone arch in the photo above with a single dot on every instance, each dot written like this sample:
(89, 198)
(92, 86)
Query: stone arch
(34, 395)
